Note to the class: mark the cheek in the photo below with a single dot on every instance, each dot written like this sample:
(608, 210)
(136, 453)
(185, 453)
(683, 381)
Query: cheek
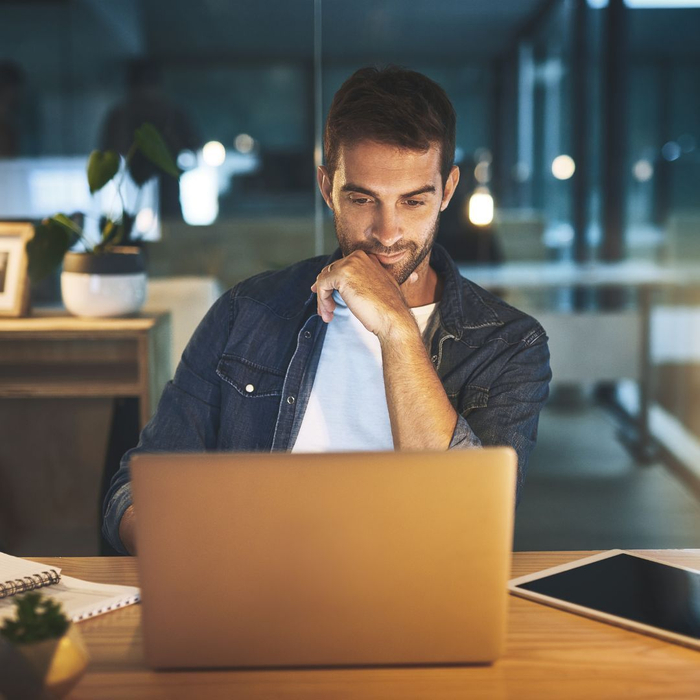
(353, 222)
(424, 221)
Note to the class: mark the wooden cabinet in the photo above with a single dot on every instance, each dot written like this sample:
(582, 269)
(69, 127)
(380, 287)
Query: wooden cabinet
(67, 389)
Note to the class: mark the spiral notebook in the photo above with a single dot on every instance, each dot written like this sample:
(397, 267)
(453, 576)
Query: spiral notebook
(80, 599)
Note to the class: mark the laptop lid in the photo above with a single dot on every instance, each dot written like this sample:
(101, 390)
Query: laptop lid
(324, 559)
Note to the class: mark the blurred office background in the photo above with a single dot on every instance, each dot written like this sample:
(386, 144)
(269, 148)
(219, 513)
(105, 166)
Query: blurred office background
(579, 145)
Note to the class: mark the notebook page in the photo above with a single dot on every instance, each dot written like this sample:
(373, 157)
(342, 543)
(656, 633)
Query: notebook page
(12, 568)
(82, 599)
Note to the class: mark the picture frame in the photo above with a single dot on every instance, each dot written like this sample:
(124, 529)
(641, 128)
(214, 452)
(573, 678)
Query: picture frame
(14, 282)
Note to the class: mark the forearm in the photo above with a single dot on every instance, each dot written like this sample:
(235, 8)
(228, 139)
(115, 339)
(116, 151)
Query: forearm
(127, 530)
(421, 415)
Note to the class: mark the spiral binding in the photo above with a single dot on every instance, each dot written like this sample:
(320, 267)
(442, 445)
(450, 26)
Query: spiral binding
(29, 583)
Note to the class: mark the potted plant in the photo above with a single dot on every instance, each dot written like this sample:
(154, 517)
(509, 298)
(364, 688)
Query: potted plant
(48, 641)
(106, 278)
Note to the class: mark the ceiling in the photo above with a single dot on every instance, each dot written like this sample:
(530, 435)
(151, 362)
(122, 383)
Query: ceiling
(376, 29)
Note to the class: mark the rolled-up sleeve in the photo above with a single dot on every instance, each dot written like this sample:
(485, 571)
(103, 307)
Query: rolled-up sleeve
(187, 417)
(463, 435)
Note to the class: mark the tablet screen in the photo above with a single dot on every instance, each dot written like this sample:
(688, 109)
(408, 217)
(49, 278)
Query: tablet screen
(630, 587)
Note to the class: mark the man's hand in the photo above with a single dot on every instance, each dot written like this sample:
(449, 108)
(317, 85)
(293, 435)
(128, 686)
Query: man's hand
(371, 293)
(127, 530)
(420, 413)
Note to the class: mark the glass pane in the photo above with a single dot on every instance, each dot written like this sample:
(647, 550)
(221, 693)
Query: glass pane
(229, 85)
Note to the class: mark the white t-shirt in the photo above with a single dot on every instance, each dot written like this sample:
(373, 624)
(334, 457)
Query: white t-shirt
(347, 408)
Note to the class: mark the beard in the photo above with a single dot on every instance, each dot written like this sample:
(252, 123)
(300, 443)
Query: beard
(400, 270)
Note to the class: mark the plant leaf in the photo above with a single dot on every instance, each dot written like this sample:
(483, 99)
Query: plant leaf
(37, 618)
(46, 249)
(111, 236)
(101, 168)
(152, 145)
(66, 223)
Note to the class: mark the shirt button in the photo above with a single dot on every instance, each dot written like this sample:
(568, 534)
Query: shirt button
(290, 400)
(250, 388)
(307, 334)
(434, 359)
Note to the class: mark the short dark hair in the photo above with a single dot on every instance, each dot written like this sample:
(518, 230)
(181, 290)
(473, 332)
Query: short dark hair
(391, 105)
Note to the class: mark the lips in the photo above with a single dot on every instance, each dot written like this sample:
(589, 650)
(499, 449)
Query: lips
(390, 259)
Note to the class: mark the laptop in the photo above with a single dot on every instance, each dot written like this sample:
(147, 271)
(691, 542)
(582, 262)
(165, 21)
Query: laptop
(279, 560)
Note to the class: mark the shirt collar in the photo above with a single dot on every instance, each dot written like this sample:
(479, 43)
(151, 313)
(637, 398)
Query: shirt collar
(462, 307)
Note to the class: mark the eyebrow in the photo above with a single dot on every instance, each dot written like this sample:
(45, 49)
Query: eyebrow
(351, 187)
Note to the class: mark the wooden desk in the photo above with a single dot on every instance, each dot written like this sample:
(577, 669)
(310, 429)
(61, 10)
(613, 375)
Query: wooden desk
(54, 355)
(550, 654)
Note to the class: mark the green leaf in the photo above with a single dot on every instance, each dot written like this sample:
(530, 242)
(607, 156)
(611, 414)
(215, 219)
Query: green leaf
(112, 234)
(66, 223)
(46, 249)
(101, 168)
(38, 618)
(152, 145)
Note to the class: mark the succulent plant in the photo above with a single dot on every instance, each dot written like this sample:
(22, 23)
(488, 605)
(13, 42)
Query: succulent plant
(38, 618)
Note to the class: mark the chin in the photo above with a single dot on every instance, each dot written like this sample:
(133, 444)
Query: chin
(402, 273)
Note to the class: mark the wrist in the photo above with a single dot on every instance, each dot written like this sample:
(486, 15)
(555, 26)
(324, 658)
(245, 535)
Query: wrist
(400, 329)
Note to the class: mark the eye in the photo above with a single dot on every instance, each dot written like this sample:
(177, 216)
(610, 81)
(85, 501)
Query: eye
(360, 201)
(415, 203)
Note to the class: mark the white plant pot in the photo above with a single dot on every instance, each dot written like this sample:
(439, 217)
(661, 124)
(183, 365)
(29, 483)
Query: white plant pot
(106, 284)
(103, 295)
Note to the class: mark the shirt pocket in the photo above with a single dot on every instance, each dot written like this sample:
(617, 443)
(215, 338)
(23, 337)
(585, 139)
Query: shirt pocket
(248, 379)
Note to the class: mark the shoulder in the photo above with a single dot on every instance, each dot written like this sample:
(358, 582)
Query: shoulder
(473, 315)
(285, 292)
(506, 321)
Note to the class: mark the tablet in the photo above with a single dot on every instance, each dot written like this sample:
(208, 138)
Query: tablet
(629, 590)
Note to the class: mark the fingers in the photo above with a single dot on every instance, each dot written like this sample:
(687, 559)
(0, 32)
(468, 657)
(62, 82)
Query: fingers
(324, 286)
(326, 306)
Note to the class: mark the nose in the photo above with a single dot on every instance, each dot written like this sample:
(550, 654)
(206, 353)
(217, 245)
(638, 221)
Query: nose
(387, 227)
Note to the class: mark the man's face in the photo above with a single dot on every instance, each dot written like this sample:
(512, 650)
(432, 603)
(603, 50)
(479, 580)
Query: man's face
(387, 202)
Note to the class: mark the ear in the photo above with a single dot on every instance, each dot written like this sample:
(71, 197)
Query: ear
(325, 185)
(450, 187)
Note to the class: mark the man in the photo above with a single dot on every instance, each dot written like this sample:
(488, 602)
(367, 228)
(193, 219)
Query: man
(381, 346)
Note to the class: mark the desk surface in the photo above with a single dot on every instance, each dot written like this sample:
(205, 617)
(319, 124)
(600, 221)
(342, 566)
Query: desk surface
(58, 320)
(550, 654)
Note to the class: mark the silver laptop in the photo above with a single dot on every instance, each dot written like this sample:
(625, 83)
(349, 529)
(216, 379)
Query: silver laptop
(253, 560)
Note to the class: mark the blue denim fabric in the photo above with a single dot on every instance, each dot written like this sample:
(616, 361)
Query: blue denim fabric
(245, 377)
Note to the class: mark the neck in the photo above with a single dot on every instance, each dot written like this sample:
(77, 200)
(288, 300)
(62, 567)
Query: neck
(427, 289)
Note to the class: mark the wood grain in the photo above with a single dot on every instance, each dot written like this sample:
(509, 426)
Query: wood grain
(54, 355)
(550, 654)
(60, 321)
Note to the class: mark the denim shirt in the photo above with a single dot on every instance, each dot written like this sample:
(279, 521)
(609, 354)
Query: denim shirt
(245, 377)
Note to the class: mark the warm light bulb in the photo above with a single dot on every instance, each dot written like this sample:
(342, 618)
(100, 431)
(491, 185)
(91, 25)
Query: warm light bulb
(563, 167)
(214, 153)
(481, 207)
